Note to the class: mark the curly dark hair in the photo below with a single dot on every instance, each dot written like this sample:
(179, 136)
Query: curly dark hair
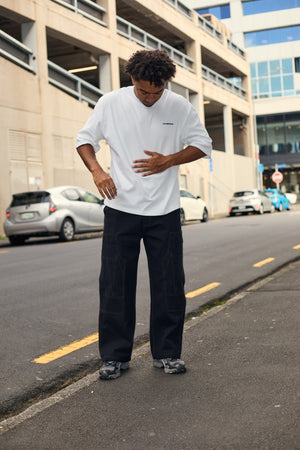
(154, 66)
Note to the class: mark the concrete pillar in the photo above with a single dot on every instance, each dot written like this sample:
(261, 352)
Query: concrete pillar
(236, 12)
(28, 33)
(104, 73)
(228, 130)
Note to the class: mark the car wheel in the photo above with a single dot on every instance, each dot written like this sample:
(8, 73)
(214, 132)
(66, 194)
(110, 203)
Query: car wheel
(16, 240)
(261, 209)
(182, 217)
(67, 230)
(205, 215)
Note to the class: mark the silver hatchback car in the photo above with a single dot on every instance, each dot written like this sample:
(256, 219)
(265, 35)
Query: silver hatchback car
(250, 200)
(62, 211)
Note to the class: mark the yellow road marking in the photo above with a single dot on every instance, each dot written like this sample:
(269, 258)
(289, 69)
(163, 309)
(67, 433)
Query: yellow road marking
(297, 247)
(262, 263)
(80, 343)
(65, 243)
(66, 349)
(200, 291)
(4, 251)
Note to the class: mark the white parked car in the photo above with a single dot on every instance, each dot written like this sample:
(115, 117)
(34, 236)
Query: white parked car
(192, 208)
(291, 196)
(250, 200)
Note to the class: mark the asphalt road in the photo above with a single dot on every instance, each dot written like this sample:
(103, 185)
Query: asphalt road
(49, 293)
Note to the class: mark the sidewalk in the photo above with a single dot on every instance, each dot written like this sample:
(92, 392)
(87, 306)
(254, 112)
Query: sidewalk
(239, 393)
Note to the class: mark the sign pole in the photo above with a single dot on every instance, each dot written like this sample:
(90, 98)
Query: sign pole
(276, 170)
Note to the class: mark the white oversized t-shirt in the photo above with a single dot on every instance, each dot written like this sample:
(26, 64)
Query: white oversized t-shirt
(130, 128)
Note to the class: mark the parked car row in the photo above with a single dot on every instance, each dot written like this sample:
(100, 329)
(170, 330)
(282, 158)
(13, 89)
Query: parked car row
(64, 211)
(257, 201)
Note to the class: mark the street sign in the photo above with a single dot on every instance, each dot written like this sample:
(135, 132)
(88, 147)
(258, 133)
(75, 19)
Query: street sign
(277, 177)
(260, 168)
(281, 166)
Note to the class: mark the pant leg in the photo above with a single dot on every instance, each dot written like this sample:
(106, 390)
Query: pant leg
(163, 243)
(118, 277)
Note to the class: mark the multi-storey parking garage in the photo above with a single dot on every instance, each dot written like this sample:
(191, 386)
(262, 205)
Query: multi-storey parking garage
(59, 56)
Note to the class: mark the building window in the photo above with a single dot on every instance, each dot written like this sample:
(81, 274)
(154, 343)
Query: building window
(272, 78)
(278, 133)
(262, 6)
(272, 36)
(220, 12)
(297, 65)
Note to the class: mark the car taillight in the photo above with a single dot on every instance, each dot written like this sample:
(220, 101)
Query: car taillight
(7, 213)
(52, 208)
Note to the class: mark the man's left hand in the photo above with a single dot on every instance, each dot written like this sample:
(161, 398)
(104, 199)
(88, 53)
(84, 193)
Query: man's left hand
(155, 164)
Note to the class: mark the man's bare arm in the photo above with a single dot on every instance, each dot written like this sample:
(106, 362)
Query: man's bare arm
(102, 180)
(159, 163)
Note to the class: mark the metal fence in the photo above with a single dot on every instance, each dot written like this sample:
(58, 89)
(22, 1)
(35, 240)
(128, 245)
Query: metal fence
(183, 9)
(86, 8)
(73, 85)
(222, 82)
(149, 41)
(15, 51)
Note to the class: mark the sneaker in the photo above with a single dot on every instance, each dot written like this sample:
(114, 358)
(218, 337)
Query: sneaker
(112, 369)
(170, 365)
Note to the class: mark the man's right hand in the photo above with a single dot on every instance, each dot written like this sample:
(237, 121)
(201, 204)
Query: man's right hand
(105, 184)
(102, 180)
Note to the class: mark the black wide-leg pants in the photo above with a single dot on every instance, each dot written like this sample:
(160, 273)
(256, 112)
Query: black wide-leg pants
(162, 239)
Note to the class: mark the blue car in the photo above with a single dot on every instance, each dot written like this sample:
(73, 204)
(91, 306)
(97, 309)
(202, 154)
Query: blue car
(279, 199)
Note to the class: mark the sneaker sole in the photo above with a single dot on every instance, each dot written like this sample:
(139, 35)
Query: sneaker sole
(113, 376)
(174, 371)
(160, 365)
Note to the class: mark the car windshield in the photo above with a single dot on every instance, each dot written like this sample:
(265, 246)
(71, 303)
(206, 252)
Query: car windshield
(28, 198)
(243, 193)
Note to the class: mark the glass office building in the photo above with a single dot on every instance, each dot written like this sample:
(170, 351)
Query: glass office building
(269, 30)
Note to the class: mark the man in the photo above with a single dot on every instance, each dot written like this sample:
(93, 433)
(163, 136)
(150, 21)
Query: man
(150, 131)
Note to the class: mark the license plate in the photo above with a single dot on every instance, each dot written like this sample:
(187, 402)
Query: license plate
(242, 207)
(27, 215)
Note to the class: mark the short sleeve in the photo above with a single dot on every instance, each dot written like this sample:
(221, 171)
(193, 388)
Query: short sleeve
(195, 134)
(92, 132)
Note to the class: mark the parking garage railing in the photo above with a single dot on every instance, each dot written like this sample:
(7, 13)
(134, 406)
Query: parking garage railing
(209, 28)
(86, 8)
(235, 48)
(15, 51)
(73, 85)
(213, 31)
(219, 80)
(183, 9)
(149, 41)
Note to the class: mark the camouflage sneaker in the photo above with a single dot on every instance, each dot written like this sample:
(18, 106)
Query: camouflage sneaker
(112, 369)
(170, 365)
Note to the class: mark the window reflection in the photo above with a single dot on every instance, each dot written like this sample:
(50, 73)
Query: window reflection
(278, 133)
(274, 78)
(257, 7)
(272, 36)
(220, 12)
